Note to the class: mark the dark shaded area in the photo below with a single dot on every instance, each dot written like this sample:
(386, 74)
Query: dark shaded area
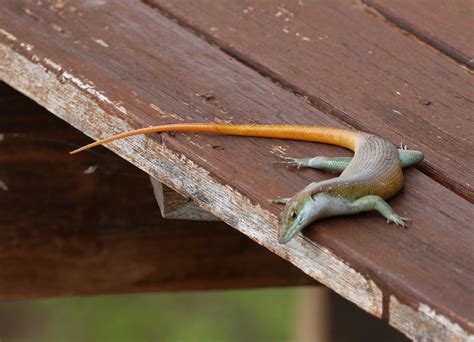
(351, 324)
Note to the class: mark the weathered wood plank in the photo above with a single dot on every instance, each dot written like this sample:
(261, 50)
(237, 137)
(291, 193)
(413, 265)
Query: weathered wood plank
(120, 66)
(446, 25)
(90, 225)
(355, 66)
(175, 206)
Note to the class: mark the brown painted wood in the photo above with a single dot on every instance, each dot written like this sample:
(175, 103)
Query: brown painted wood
(355, 66)
(173, 205)
(90, 225)
(109, 67)
(446, 25)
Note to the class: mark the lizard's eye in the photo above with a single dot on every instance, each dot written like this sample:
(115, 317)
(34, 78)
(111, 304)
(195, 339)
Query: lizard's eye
(293, 215)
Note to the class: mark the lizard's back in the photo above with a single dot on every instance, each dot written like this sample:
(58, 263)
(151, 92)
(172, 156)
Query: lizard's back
(374, 170)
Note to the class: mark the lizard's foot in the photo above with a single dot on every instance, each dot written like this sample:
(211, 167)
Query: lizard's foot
(293, 162)
(280, 200)
(403, 146)
(337, 164)
(398, 220)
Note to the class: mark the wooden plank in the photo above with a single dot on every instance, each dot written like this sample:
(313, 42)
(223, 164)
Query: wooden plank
(352, 65)
(446, 25)
(120, 66)
(175, 206)
(90, 225)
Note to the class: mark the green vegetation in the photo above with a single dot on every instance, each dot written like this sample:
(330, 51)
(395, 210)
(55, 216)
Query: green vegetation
(251, 315)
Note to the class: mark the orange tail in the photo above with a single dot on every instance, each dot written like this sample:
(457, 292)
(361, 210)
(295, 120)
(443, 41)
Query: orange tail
(334, 136)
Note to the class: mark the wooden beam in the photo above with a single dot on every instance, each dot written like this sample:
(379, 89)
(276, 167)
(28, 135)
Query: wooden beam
(90, 225)
(175, 206)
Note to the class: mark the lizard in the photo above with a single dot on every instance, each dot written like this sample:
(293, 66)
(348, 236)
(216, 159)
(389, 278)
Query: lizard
(373, 175)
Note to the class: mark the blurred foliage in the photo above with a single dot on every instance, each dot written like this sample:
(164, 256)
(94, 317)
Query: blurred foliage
(248, 315)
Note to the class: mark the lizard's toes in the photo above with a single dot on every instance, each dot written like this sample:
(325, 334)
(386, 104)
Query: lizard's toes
(398, 220)
(288, 161)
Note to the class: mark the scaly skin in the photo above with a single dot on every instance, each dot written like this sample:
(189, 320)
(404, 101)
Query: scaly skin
(372, 175)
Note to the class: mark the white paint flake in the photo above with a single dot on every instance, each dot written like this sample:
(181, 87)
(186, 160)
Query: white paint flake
(165, 114)
(26, 46)
(8, 35)
(90, 88)
(101, 42)
(424, 323)
(55, 66)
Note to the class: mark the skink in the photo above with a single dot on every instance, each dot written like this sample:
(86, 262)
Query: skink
(371, 176)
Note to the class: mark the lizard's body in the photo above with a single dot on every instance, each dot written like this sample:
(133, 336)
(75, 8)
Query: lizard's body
(372, 175)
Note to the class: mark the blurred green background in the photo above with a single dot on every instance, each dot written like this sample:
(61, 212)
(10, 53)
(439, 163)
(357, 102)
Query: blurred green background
(292, 314)
(249, 315)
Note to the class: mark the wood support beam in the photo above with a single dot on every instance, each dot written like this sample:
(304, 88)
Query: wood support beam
(175, 206)
(90, 225)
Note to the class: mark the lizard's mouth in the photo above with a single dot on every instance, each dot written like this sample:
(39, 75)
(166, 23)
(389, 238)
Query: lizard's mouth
(286, 231)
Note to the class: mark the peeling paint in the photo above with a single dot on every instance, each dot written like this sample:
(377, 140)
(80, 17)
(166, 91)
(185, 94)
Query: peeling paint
(27, 47)
(90, 88)
(50, 63)
(429, 312)
(425, 324)
(8, 35)
(165, 114)
(100, 42)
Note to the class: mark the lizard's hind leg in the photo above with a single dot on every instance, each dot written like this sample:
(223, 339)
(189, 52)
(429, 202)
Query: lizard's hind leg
(372, 202)
(320, 163)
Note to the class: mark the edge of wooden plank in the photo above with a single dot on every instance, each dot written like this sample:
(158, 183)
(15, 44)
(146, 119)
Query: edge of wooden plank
(80, 104)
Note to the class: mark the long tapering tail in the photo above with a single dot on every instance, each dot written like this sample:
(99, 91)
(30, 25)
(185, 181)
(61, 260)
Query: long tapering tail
(334, 136)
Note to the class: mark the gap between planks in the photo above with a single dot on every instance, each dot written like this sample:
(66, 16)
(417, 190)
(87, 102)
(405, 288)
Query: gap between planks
(423, 38)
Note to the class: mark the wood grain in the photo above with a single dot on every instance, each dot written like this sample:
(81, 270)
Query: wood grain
(118, 65)
(446, 25)
(355, 66)
(89, 225)
(175, 206)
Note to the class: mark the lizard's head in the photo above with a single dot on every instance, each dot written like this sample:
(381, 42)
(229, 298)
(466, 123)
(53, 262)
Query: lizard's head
(305, 208)
(299, 212)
